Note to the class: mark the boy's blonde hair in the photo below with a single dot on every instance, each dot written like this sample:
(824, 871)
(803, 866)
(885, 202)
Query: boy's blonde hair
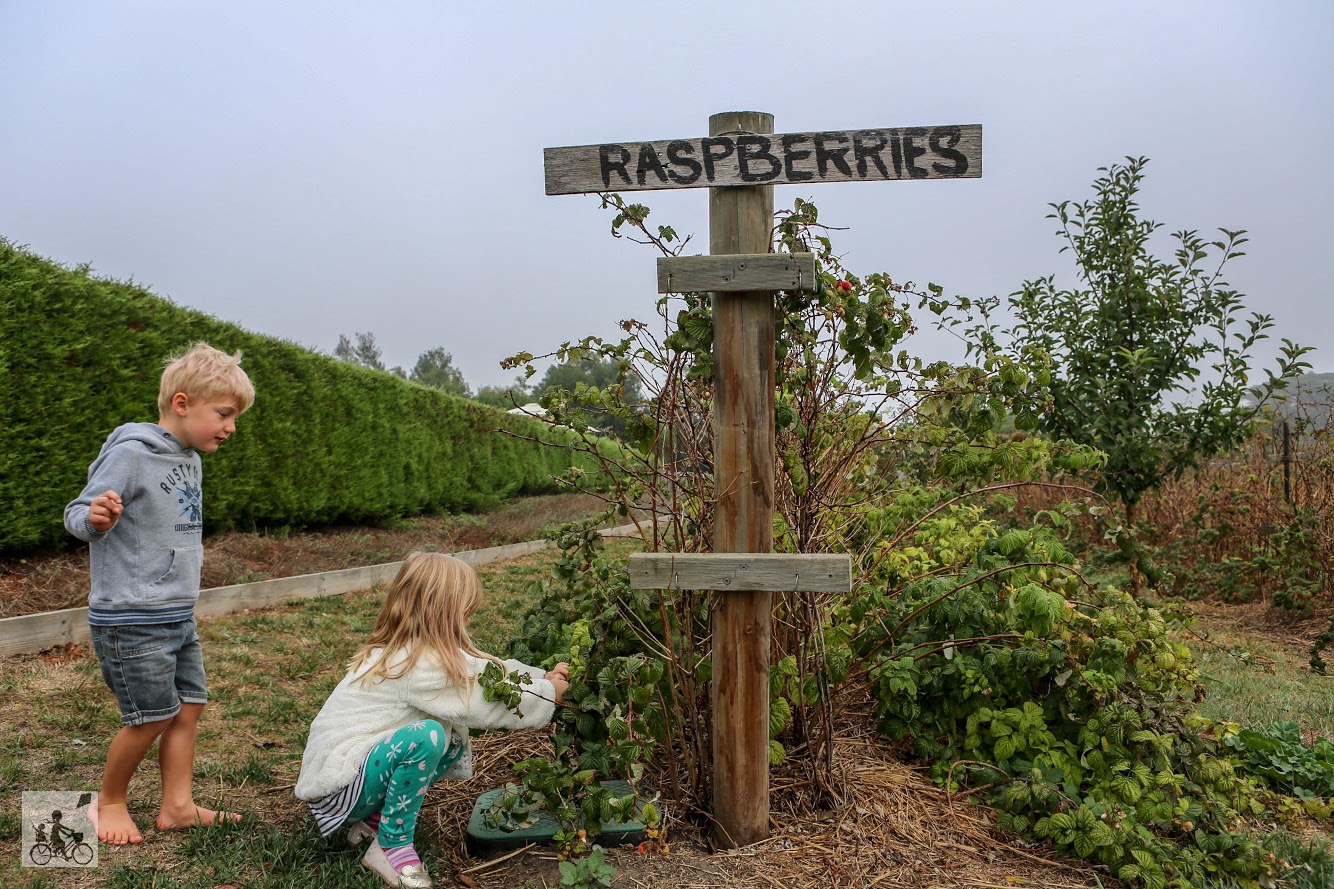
(426, 615)
(205, 373)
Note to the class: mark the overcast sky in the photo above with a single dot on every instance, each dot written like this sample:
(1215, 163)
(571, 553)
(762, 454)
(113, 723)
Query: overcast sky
(306, 169)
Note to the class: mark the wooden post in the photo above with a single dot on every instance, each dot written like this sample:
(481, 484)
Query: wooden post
(1287, 462)
(740, 221)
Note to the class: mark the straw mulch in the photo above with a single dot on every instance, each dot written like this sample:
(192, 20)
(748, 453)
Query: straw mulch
(892, 828)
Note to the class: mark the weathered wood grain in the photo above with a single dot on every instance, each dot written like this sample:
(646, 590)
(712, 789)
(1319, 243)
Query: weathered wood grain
(742, 157)
(726, 274)
(740, 221)
(771, 572)
(37, 632)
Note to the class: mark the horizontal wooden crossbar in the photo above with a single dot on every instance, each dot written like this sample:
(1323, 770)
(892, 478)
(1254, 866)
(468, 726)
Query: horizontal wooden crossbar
(736, 272)
(765, 572)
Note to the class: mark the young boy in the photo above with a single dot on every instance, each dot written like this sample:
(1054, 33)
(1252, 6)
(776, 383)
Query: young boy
(142, 513)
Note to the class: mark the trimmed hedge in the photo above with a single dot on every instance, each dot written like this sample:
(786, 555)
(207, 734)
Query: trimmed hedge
(324, 442)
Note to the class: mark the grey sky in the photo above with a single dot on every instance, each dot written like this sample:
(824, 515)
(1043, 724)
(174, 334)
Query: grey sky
(307, 169)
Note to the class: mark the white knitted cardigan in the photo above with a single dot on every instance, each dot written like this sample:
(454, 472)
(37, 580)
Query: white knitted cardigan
(356, 717)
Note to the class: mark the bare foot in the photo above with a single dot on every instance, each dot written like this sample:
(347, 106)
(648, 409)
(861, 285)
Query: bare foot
(114, 824)
(195, 816)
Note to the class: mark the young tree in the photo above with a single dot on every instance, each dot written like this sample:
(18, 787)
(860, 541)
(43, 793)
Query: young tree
(435, 368)
(1150, 359)
(363, 352)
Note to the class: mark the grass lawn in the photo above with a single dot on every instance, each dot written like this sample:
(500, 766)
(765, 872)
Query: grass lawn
(1258, 679)
(269, 673)
(1254, 667)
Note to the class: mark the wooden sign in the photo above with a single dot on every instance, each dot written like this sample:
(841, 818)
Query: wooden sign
(736, 272)
(742, 159)
(945, 152)
(769, 572)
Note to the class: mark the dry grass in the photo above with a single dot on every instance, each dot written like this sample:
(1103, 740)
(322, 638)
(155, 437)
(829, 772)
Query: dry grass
(1241, 498)
(893, 828)
(1232, 510)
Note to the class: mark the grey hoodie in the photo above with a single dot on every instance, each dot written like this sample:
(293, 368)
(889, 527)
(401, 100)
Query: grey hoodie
(145, 570)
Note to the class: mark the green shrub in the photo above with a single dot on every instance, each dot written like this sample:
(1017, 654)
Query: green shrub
(1067, 708)
(325, 441)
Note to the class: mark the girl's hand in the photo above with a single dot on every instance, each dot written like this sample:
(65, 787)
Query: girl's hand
(559, 677)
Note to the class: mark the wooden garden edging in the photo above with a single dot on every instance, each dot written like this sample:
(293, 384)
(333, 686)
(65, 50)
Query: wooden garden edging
(29, 633)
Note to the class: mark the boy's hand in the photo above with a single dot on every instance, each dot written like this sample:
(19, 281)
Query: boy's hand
(104, 511)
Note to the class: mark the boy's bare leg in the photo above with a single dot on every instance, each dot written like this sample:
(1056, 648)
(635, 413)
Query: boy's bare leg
(176, 757)
(114, 824)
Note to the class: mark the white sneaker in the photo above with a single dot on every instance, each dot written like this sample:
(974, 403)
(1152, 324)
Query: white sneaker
(411, 877)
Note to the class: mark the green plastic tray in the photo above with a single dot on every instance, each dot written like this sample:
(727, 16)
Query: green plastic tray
(483, 841)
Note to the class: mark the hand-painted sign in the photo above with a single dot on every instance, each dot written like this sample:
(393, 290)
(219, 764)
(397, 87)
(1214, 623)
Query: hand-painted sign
(946, 152)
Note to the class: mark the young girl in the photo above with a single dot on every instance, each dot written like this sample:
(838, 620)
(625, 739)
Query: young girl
(399, 720)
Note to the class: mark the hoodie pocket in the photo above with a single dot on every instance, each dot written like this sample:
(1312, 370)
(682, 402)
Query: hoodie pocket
(181, 579)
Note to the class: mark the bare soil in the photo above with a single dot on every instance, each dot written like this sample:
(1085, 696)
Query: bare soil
(55, 580)
(1286, 629)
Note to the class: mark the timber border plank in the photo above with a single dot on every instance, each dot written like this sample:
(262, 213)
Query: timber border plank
(31, 633)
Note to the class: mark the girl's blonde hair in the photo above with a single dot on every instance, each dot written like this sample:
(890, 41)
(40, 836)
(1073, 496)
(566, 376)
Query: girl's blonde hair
(426, 615)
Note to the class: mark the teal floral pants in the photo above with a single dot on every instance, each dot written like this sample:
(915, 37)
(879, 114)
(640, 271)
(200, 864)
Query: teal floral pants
(398, 772)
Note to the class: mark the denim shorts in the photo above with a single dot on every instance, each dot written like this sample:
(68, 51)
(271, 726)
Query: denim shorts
(152, 668)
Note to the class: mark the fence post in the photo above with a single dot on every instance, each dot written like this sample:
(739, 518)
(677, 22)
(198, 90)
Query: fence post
(1287, 463)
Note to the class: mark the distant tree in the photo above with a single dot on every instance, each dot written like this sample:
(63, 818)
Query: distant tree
(363, 351)
(435, 368)
(1309, 402)
(516, 394)
(1149, 358)
(599, 373)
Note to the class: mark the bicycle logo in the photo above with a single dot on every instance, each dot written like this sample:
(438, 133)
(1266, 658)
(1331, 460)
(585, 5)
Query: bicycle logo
(55, 824)
(55, 839)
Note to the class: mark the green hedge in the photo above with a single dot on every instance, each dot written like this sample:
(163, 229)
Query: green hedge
(325, 441)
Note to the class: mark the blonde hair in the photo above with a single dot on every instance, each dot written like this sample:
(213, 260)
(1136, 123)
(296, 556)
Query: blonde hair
(205, 373)
(426, 615)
